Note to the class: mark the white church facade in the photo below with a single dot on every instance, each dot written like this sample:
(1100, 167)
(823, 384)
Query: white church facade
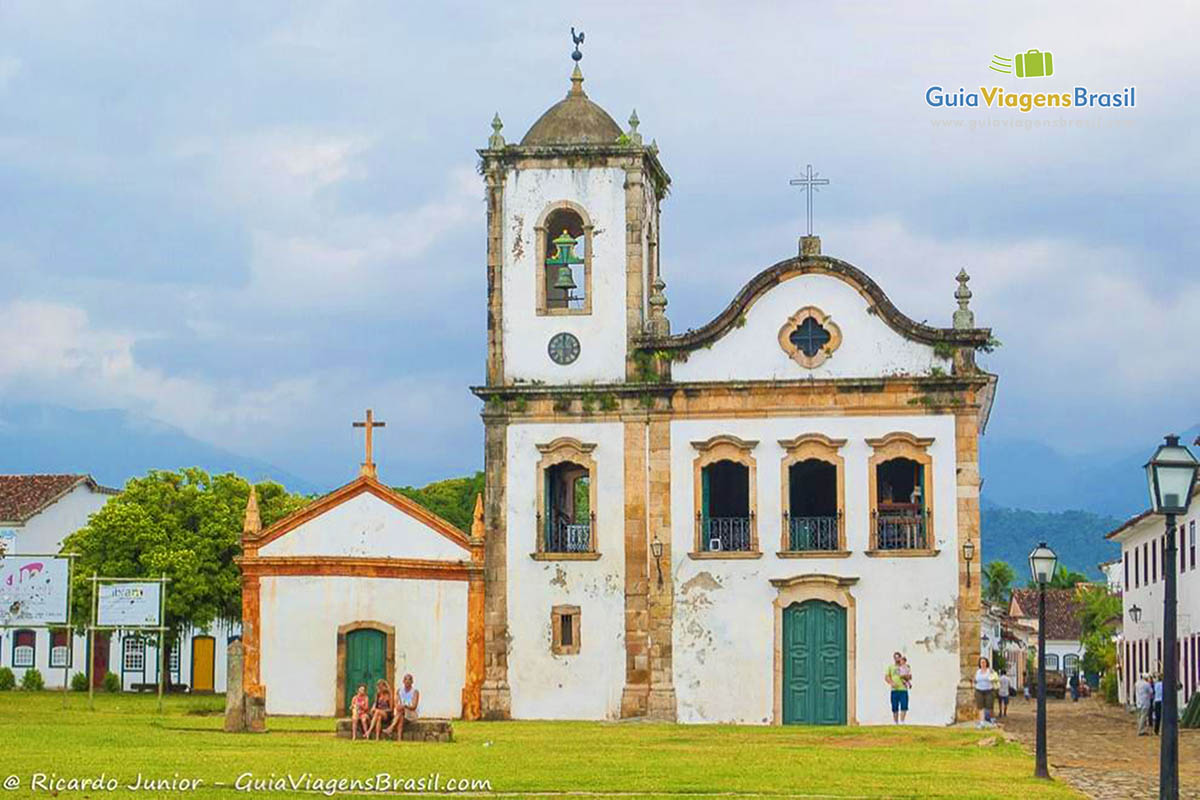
(738, 523)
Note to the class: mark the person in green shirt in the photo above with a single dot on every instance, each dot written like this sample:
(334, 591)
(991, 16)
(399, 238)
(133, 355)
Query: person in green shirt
(899, 678)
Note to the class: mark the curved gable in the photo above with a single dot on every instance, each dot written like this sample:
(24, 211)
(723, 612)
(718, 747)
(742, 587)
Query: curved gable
(868, 335)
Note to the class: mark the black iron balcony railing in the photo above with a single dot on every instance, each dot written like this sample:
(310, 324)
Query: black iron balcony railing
(564, 536)
(718, 534)
(901, 529)
(812, 533)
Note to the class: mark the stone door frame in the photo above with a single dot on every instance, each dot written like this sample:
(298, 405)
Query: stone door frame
(832, 589)
(389, 656)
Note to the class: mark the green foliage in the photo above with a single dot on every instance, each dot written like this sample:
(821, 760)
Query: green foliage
(185, 525)
(111, 682)
(1108, 687)
(1077, 536)
(8, 681)
(583, 499)
(944, 350)
(453, 499)
(79, 682)
(1064, 578)
(32, 681)
(999, 662)
(997, 582)
(1099, 610)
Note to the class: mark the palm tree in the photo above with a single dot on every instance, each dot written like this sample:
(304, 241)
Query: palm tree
(997, 582)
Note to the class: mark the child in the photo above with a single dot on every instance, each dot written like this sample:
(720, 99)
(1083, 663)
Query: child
(359, 713)
(906, 672)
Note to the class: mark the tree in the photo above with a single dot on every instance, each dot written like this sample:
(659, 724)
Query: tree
(997, 582)
(184, 525)
(452, 499)
(1099, 609)
(1063, 579)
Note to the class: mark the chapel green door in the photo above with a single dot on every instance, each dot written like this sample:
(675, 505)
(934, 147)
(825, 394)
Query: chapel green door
(365, 662)
(814, 664)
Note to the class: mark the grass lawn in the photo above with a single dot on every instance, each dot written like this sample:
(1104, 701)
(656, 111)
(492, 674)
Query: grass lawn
(125, 736)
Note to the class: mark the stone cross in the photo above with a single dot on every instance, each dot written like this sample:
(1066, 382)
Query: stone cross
(811, 183)
(368, 467)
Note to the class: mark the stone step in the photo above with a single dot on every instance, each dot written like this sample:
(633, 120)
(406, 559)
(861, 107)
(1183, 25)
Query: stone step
(431, 729)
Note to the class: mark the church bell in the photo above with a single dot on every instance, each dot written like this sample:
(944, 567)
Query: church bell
(562, 260)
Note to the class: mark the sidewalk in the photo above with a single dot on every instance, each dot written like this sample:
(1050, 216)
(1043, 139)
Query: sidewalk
(1095, 747)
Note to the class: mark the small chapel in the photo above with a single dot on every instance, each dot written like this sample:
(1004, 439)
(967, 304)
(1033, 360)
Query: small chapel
(738, 523)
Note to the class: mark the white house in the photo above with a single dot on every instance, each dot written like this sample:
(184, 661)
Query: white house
(738, 523)
(36, 513)
(1143, 565)
(1064, 629)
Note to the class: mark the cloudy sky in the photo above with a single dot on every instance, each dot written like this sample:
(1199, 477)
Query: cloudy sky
(252, 220)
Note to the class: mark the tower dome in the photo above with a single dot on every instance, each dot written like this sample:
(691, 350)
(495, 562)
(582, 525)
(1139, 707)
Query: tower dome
(573, 120)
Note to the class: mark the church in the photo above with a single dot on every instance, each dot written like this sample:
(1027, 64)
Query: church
(734, 524)
(738, 523)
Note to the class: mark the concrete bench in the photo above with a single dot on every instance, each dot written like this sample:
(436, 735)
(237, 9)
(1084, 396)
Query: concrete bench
(420, 730)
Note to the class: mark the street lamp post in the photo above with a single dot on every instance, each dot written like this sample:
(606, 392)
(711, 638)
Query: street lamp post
(1171, 476)
(1042, 564)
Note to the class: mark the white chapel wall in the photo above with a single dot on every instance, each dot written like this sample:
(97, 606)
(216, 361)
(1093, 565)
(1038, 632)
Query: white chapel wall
(586, 685)
(527, 193)
(300, 617)
(724, 637)
(365, 526)
(869, 347)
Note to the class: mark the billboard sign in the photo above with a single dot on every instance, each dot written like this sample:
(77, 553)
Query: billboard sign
(128, 605)
(33, 590)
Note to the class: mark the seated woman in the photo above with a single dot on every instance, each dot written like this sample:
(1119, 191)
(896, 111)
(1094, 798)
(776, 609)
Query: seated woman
(383, 712)
(360, 713)
(409, 699)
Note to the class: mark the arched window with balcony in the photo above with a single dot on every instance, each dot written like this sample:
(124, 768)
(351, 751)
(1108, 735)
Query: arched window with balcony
(725, 497)
(564, 247)
(566, 516)
(901, 473)
(813, 496)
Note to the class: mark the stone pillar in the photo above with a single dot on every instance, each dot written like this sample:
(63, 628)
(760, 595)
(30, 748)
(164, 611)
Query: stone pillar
(966, 437)
(635, 231)
(235, 709)
(636, 694)
(476, 616)
(494, 177)
(662, 703)
(495, 698)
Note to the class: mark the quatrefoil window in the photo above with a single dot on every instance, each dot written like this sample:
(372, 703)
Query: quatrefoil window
(809, 337)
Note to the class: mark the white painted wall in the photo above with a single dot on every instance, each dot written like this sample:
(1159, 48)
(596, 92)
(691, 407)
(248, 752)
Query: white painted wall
(869, 348)
(44, 532)
(587, 685)
(300, 618)
(527, 193)
(369, 527)
(724, 624)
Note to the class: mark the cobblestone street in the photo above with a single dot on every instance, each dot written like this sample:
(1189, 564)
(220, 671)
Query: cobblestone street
(1095, 747)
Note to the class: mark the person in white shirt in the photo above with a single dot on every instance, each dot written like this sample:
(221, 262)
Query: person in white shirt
(1003, 691)
(1143, 695)
(985, 682)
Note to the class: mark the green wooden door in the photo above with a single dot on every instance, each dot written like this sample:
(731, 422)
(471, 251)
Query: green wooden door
(365, 662)
(814, 663)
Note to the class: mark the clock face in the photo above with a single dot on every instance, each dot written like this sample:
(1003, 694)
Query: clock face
(563, 348)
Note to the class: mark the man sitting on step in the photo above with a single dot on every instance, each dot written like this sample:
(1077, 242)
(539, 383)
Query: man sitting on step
(407, 699)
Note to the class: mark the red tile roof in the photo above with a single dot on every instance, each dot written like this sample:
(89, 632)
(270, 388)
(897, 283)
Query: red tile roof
(22, 496)
(1062, 612)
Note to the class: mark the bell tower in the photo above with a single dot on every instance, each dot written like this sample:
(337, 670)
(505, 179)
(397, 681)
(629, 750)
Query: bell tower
(573, 226)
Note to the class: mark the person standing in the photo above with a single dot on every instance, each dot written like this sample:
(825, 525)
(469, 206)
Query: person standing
(1003, 691)
(1143, 697)
(898, 677)
(1158, 700)
(985, 682)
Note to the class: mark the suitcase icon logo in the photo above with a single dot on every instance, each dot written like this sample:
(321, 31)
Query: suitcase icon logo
(1030, 64)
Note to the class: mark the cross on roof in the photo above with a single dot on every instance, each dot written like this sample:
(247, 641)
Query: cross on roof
(811, 183)
(368, 467)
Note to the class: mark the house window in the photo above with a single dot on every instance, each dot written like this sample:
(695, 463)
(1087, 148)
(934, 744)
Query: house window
(809, 337)
(566, 516)
(1146, 563)
(813, 495)
(901, 494)
(1052, 661)
(60, 648)
(173, 659)
(1125, 559)
(24, 649)
(564, 245)
(1136, 573)
(564, 630)
(1154, 564)
(1071, 664)
(133, 654)
(725, 496)
(1192, 543)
